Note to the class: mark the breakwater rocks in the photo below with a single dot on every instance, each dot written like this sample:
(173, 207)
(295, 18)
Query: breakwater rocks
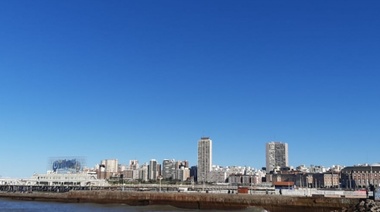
(201, 201)
(365, 206)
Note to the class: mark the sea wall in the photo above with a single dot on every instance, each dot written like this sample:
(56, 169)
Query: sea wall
(194, 200)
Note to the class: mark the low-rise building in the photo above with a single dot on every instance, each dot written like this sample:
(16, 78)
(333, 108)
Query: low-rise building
(361, 176)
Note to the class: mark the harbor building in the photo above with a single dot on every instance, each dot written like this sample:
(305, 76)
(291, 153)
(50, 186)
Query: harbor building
(361, 176)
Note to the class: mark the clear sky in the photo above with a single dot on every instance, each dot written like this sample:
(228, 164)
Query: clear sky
(146, 79)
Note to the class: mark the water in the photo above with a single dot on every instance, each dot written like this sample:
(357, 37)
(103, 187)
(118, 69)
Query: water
(34, 206)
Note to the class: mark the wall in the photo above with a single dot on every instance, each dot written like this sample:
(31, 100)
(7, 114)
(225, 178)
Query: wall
(196, 200)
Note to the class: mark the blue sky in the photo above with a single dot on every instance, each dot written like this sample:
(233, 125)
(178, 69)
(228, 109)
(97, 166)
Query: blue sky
(146, 79)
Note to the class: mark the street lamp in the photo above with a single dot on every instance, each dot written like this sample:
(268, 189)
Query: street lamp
(160, 178)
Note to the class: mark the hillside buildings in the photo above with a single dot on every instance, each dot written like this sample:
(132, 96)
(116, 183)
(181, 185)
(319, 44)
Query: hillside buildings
(276, 155)
(204, 159)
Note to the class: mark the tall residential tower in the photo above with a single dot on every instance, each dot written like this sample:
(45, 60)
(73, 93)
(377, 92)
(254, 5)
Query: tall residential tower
(276, 155)
(204, 158)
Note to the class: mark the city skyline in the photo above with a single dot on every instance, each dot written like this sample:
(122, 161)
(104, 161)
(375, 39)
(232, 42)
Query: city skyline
(143, 80)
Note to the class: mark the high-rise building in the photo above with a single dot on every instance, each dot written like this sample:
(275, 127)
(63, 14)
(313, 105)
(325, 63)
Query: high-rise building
(276, 155)
(204, 158)
(133, 164)
(111, 165)
(152, 170)
(168, 168)
(143, 172)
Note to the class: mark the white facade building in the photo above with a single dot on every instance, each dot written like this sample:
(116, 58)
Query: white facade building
(75, 179)
(152, 170)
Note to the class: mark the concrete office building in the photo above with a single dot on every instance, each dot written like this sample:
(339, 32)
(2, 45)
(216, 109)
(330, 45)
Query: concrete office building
(276, 155)
(204, 159)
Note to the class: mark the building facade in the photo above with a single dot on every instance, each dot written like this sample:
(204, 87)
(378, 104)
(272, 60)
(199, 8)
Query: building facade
(152, 170)
(108, 168)
(204, 159)
(354, 177)
(168, 169)
(276, 155)
(133, 164)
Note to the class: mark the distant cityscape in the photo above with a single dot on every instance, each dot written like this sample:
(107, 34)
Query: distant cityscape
(277, 172)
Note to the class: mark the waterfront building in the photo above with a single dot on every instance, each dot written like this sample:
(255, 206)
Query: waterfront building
(295, 177)
(276, 155)
(66, 179)
(361, 176)
(204, 158)
(327, 180)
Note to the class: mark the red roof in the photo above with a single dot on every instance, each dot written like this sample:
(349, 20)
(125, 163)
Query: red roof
(283, 183)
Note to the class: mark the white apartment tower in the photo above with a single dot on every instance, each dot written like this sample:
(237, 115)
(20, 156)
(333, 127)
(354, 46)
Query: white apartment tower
(204, 159)
(276, 155)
